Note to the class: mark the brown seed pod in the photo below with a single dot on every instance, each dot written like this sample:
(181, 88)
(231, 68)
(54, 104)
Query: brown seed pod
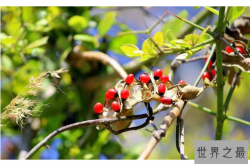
(232, 60)
(138, 92)
(187, 92)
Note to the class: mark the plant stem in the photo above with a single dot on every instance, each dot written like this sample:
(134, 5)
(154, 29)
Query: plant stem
(192, 24)
(205, 66)
(209, 111)
(220, 82)
(198, 19)
(204, 109)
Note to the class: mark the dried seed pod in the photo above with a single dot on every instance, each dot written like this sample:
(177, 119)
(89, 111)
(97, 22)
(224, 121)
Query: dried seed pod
(187, 92)
(231, 60)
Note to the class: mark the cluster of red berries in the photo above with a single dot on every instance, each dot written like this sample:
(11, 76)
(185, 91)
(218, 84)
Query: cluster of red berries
(112, 94)
(210, 73)
(230, 50)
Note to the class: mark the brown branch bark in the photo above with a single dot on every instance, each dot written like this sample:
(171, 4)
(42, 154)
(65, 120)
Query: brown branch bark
(101, 57)
(168, 120)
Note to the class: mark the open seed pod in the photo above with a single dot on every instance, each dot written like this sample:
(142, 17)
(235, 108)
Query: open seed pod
(187, 92)
(138, 92)
(232, 60)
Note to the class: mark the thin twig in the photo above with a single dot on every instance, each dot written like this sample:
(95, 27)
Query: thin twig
(182, 151)
(105, 121)
(230, 93)
(176, 63)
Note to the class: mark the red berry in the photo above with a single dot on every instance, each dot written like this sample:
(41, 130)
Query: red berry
(213, 72)
(116, 106)
(157, 74)
(229, 50)
(107, 96)
(239, 49)
(98, 108)
(161, 89)
(206, 75)
(124, 94)
(164, 79)
(112, 93)
(144, 78)
(181, 82)
(166, 100)
(129, 79)
(210, 64)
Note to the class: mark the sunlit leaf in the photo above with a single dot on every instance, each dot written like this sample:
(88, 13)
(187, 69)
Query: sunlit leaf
(196, 7)
(159, 38)
(180, 43)
(192, 39)
(170, 35)
(106, 23)
(118, 41)
(78, 23)
(131, 50)
(169, 45)
(146, 57)
(235, 12)
(148, 47)
(37, 43)
(212, 10)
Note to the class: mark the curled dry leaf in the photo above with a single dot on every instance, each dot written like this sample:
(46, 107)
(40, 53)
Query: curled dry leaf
(243, 24)
(231, 75)
(232, 60)
(234, 34)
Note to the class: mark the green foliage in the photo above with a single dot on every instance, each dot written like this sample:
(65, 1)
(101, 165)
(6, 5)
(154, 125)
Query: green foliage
(78, 23)
(106, 23)
(212, 10)
(235, 12)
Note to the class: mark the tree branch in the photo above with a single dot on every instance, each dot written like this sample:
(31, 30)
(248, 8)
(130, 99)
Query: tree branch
(168, 120)
(103, 58)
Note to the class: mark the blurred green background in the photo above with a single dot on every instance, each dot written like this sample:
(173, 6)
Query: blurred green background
(36, 39)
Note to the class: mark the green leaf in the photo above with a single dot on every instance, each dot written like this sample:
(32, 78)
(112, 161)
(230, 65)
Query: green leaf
(37, 43)
(174, 24)
(148, 47)
(14, 28)
(83, 37)
(180, 43)
(170, 35)
(235, 12)
(78, 23)
(196, 7)
(106, 23)
(131, 50)
(192, 39)
(212, 10)
(159, 38)
(169, 45)
(118, 41)
(147, 56)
